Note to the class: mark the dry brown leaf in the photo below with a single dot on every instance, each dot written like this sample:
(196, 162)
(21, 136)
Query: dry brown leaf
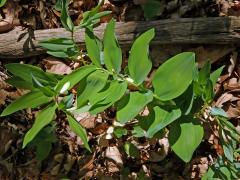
(3, 96)
(100, 128)
(223, 99)
(112, 167)
(114, 154)
(233, 112)
(54, 65)
(86, 119)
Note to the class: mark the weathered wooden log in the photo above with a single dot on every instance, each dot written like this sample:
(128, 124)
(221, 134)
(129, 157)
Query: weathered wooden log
(212, 30)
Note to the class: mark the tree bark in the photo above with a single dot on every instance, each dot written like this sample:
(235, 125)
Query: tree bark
(20, 43)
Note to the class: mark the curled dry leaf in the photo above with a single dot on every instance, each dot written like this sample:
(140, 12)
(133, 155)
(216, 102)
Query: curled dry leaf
(223, 99)
(233, 112)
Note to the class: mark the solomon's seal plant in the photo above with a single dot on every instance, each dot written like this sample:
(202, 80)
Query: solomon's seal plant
(178, 95)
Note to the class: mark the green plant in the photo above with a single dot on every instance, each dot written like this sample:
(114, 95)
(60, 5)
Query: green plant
(179, 94)
(2, 3)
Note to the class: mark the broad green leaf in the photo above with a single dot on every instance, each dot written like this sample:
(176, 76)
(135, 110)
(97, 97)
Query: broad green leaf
(93, 49)
(94, 83)
(2, 2)
(137, 101)
(151, 8)
(65, 18)
(75, 77)
(215, 75)
(43, 118)
(112, 51)
(162, 119)
(24, 71)
(139, 63)
(30, 100)
(79, 130)
(204, 74)
(19, 83)
(119, 132)
(104, 99)
(139, 132)
(185, 136)
(131, 150)
(57, 44)
(174, 76)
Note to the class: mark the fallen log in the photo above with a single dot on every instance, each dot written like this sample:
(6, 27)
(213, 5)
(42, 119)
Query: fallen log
(20, 42)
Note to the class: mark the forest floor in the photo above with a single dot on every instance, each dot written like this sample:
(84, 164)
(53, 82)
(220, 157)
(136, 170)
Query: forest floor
(68, 159)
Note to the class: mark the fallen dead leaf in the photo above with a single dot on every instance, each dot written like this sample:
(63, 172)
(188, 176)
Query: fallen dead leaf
(114, 154)
(54, 65)
(223, 99)
(112, 167)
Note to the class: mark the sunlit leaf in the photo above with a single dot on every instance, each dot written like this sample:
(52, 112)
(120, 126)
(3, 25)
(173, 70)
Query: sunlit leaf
(2, 2)
(112, 51)
(94, 83)
(216, 74)
(137, 101)
(24, 71)
(162, 119)
(174, 76)
(75, 77)
(65, 18)
(185, 136)
(119, 132)
(79, 130)
(30, 100)
(93, 49)
(107, 97)
(139, 63)
(43, 118)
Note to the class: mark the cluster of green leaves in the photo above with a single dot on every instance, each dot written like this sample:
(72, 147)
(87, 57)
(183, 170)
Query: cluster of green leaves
(178, 94)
